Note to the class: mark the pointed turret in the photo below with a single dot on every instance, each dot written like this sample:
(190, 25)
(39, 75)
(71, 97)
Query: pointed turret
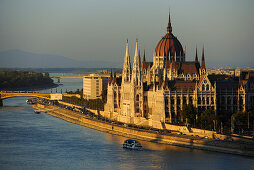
(196, 58)
(139, 57)
(143, 66)
(144, 58)
(127, 49)
(136, 75)
(169, 28)
(126, 75)
(203, 59)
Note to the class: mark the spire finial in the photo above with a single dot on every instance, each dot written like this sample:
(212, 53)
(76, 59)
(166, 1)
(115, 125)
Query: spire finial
(203, 59)
(196, 58)
(127, 49)
(169, 28)
(136, 50)
(203, 54)
(144, 58)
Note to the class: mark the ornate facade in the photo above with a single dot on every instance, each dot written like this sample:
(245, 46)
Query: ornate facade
(158, 90)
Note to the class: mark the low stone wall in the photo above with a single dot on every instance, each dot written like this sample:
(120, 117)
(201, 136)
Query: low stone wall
(155, 124)
(81, 119)
(69, 104)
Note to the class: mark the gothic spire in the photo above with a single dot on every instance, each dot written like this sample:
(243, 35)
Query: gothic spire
(203, 59)
(136, 49)
(169, 28)
(144, 58)
(127, 66)
(127, 49)
(136, 75)
(196, 58)
(139, 57)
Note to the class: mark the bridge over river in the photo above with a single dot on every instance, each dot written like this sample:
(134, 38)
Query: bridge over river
(10, 94)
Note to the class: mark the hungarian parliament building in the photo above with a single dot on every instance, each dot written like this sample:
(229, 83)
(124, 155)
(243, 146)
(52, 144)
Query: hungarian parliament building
(158, 90)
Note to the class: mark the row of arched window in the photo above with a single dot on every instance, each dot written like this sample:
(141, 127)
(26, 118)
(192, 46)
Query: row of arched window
(205, 87)
(230, 100)
(178, 100)
(206, 100)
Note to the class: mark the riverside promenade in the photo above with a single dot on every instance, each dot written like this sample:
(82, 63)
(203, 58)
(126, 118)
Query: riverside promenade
(231, 147)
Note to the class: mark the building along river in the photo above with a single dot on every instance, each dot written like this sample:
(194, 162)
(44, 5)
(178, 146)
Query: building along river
(41, 141)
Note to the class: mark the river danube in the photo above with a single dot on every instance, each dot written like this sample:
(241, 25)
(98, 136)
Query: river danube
(40, 141)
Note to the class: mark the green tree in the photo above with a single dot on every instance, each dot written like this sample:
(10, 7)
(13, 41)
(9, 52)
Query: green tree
(243, 121)
(189, 113)
(207, 119)
(46, 74)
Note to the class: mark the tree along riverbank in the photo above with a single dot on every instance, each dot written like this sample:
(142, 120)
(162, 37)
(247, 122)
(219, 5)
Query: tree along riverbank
(232, 147)
(25, 80)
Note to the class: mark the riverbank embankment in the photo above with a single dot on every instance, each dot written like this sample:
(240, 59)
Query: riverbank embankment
(232, 147)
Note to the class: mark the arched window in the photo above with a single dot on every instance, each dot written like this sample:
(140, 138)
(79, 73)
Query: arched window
(137, 98)
(172, 102)
(207, 87)
(203, 87)
(207, 100)
(190, 100)
(199, 100)
(212, 100)
(178, 101)
(184, 100)
(203, 100)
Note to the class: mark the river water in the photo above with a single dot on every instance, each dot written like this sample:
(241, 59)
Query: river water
(40, 141)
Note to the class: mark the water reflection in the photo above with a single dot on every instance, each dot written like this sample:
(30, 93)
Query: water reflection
(148, 145)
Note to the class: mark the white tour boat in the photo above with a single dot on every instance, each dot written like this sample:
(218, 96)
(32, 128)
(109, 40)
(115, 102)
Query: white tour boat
(132, 144)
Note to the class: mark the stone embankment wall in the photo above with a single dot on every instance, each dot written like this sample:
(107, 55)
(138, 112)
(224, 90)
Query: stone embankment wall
(184, 141)
(156, 124)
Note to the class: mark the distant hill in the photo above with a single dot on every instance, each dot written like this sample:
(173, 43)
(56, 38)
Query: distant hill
(21, 59)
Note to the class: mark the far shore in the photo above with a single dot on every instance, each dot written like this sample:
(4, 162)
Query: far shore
(34, 88)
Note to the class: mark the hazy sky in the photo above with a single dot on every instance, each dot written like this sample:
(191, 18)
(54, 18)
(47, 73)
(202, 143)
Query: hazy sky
(97, 29)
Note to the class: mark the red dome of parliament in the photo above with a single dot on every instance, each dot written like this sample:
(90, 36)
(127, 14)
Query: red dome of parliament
(169, 44)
